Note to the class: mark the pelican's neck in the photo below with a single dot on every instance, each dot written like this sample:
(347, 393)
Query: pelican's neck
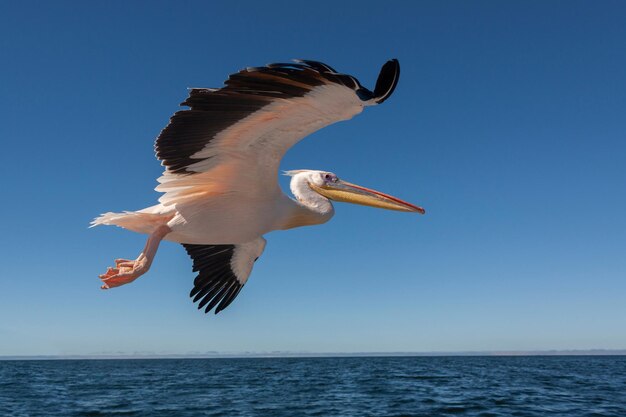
(309, 208)
(308, 198)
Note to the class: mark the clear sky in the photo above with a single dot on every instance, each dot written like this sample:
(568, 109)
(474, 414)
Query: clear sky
(508, 125)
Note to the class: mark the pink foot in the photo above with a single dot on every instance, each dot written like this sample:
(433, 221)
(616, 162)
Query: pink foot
(125, 271)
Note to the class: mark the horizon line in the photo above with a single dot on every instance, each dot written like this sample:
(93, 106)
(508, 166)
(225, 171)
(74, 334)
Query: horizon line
(290, 354)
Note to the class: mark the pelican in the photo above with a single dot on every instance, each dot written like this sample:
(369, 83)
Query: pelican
(220, 183)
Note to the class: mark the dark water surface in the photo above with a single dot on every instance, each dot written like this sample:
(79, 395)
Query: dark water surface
(364, 386)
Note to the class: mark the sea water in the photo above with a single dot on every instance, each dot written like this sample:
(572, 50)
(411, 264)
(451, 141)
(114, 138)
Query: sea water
(341, 386)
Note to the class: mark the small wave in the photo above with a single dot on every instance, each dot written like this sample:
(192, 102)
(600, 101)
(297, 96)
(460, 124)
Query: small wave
(427, 377)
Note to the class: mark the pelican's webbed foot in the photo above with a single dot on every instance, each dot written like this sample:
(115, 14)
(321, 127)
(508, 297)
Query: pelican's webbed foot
(126, 270)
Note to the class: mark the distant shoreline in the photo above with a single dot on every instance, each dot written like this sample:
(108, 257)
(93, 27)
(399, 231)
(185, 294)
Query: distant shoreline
(243, 355)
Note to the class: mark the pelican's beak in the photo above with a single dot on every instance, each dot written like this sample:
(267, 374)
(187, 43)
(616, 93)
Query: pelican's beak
(355, 194)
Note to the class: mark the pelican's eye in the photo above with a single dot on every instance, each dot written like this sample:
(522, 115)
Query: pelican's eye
(330, 178)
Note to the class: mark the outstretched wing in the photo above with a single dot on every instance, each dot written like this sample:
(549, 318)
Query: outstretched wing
(240, 132)
(223, 270)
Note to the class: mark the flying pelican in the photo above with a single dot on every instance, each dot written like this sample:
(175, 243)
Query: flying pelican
(221, 158)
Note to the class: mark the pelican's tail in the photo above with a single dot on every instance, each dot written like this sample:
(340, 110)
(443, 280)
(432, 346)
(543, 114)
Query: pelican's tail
(143, 221)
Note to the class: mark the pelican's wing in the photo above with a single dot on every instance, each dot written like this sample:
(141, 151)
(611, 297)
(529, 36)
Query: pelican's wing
(222, 271)
(240, 132)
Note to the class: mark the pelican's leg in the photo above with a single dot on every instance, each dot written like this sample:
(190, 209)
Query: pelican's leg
(126, 271)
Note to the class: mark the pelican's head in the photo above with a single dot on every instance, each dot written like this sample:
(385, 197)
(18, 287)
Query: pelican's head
(327, 184)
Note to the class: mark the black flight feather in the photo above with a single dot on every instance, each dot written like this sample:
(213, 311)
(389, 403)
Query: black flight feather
(216, 284)
(387, 80)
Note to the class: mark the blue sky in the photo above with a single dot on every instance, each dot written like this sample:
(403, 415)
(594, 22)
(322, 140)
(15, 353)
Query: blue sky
(508, 125)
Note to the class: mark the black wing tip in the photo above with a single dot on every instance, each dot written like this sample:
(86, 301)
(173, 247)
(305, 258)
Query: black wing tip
(216, 286)
(387, 80)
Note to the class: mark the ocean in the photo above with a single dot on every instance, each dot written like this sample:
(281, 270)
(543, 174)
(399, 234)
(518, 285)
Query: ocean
(329, 386)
